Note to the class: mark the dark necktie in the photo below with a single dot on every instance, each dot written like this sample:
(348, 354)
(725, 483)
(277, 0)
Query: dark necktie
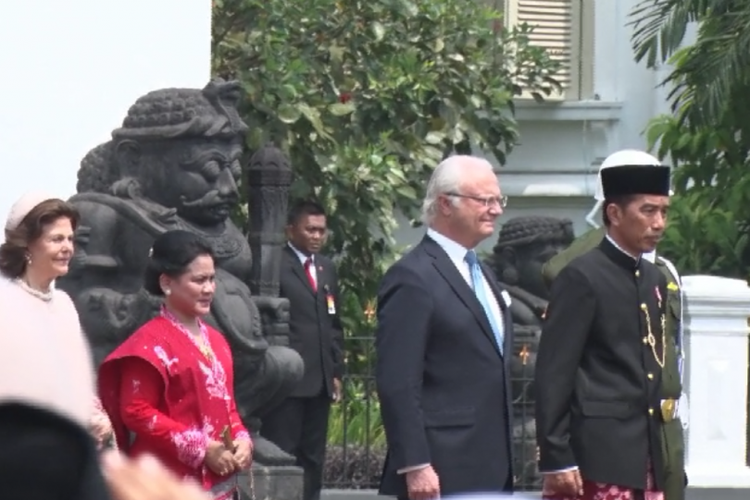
(308, 272)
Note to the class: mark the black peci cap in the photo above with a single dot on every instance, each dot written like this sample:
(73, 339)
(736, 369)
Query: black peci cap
(626, 180)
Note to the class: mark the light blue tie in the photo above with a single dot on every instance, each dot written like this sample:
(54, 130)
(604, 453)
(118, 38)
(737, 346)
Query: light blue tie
(478, 285)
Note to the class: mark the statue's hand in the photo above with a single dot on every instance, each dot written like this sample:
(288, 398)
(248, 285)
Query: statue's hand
(146, 304)
(109, 317)
(274, 316)
(537, 304)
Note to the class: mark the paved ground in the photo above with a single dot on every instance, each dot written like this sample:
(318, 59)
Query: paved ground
(692, 494)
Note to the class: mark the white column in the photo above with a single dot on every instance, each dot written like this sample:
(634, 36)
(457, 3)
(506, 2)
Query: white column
(70, 71)
(716, 336)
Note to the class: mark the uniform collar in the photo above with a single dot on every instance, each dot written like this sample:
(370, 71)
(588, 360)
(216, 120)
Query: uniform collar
(650, 256)
(618, 255)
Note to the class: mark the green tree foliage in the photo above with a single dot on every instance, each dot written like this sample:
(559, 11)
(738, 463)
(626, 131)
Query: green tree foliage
(366, 97)
(707, 138)
(710, 214)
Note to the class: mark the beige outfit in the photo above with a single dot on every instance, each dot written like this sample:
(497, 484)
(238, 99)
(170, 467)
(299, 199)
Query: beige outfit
(44, 356)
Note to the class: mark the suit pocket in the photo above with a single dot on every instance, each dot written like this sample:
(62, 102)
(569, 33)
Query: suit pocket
(607, 409)
(457, 417)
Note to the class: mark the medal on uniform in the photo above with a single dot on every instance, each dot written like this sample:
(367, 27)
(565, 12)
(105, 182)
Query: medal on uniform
(330, 303)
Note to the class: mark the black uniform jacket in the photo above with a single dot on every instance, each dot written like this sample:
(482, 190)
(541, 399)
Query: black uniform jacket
(598, 378)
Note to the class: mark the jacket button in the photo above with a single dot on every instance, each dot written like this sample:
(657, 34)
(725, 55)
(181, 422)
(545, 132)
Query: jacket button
(650, 411)
(650, 376)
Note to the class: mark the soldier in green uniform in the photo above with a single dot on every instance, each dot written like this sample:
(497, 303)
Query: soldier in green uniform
(672, 442)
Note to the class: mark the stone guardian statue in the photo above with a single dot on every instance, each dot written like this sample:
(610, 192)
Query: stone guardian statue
(176, 163)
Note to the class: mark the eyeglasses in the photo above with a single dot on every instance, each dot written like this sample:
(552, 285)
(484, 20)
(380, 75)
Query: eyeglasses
(487, 201)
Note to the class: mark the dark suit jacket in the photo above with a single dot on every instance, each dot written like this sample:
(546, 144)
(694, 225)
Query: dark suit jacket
(598, 384)
(444, 387)
(43, 456)
(314, 333)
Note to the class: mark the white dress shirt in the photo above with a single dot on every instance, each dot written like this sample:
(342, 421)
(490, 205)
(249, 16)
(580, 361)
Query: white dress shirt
(303, 258)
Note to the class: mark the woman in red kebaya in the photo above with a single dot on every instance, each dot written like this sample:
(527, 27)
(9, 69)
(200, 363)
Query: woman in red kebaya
(169, 387)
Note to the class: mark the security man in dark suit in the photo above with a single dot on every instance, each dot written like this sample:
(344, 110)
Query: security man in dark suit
(444, 344)
(308, 279)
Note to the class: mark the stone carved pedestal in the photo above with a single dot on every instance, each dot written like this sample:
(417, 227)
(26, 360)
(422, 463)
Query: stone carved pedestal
(716, 336)
(273, 483)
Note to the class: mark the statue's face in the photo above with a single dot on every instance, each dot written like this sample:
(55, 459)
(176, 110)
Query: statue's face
(198, 178)
(530, 261)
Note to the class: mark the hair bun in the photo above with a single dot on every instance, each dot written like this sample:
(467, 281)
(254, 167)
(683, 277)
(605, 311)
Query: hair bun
(171, 254)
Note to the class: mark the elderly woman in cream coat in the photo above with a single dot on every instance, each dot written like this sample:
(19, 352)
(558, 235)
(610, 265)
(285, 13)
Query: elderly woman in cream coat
(44, 341)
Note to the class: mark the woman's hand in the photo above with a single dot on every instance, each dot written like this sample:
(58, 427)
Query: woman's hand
(100, 429)
(146, 479)
(219, 459)
(243, 454)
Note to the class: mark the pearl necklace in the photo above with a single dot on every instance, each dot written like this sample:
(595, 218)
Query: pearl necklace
(44, 296)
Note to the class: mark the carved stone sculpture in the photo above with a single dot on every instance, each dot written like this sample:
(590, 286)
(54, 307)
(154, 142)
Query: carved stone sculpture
(176, 163)
(523, 246)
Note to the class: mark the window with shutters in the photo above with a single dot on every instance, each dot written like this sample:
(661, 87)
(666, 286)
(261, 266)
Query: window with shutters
(565, 28)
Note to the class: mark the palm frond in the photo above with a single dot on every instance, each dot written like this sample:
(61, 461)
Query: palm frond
(659, 26)
(714, 73)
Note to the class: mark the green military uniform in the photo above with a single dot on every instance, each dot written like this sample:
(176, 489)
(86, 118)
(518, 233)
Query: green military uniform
(673, 444)
(580, 246)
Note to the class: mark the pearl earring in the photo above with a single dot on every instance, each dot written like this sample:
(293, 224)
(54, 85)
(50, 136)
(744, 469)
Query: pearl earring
(167, 291)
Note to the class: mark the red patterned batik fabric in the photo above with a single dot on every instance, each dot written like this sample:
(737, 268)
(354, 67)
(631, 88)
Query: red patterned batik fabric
(602, 491)
(175, 394)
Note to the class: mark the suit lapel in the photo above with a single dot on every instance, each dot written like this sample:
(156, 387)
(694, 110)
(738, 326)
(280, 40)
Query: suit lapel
(298, 269)
(448, 270)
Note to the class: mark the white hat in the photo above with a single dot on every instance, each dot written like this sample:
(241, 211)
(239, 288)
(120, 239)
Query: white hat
(620, 159)
(23, 206)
